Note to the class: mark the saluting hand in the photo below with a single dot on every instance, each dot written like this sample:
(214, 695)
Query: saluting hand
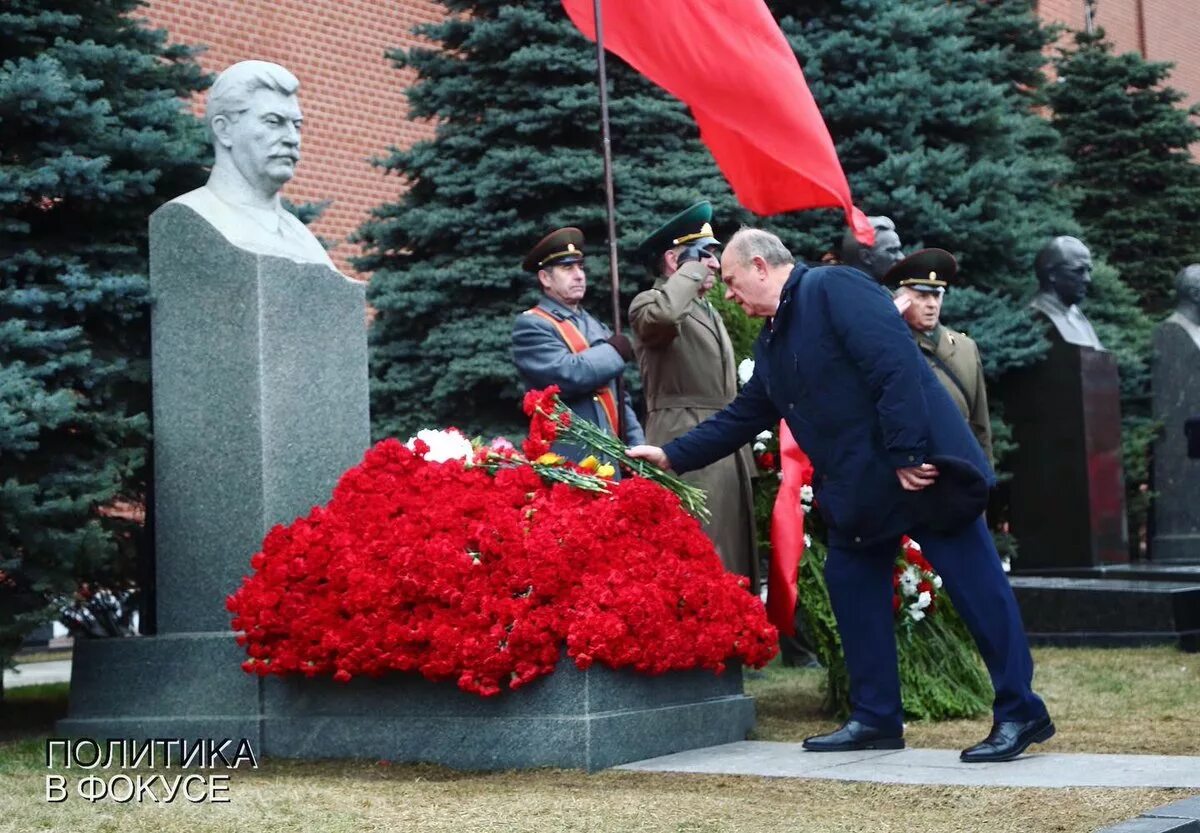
(916, 478)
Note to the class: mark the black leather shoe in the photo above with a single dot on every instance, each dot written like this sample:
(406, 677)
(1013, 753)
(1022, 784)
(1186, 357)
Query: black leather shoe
(853, 736)
(1008, 740)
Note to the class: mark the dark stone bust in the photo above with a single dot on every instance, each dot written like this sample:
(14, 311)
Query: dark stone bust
(875, 260)
(1064, 272)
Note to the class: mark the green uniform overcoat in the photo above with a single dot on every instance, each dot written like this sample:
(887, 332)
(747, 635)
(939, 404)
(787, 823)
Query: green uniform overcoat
(961, 355)
(688, 374)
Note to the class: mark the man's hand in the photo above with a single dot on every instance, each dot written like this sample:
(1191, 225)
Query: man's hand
(621, 343)
(916, 478)
(902, 301)
(651, 454)
(703, 273)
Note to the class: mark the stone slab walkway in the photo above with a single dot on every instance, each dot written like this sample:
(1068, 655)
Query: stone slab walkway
(932, 766)
(38, 673)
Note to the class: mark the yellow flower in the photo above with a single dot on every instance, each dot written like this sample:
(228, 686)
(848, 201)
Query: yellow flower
(589, 463)
(605, 471)
(549, 459)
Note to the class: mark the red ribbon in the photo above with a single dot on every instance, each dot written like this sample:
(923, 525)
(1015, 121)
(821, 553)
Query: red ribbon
(787, 534)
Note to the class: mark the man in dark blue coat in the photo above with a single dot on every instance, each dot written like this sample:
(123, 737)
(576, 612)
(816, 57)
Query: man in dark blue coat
(838, 363)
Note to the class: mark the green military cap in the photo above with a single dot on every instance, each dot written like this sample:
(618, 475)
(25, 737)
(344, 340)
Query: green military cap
(928, 270)
(692, 226)
(558, 248)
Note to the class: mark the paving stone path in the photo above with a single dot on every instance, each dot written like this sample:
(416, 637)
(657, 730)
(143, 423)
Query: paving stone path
(933, 766)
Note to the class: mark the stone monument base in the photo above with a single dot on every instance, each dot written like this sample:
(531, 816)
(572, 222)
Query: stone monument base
(1177, 549)
(191, 686)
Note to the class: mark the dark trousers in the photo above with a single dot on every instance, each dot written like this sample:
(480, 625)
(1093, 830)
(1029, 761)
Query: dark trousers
(860, 589)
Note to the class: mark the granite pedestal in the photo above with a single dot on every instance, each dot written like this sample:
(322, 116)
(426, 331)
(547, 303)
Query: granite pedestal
(259, 377)
(573, 719)
(1109, 611)
(1067, 493)
(191, 686)
(1176, 381)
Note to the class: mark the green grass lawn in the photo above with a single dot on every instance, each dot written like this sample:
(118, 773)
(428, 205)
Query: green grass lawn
(1118, 700)
(1127, 700)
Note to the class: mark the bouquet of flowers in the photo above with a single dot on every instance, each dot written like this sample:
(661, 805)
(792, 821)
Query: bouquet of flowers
(481, 563)
(550, 420)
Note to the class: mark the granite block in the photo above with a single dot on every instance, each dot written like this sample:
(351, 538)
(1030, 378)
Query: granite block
(1074, 611)
(1175, 369)
(1186, 808)
(567, 691)
(1146, 824)
(570, 718)
(260, 404)
(1067, 494)
(184, 685)
(580, 741)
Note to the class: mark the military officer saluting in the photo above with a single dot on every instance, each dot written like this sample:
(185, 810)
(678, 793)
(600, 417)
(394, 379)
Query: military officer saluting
(688, 372)
(558, 343)
(920, 280)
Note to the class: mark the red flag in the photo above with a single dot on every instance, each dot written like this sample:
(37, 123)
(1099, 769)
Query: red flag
(729, 62)
(787, 534)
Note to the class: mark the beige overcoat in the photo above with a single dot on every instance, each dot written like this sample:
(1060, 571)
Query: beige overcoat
(688, 374)
(960, 355)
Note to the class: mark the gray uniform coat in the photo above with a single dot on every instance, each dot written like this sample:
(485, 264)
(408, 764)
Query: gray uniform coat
(688, 374)
(543, 359)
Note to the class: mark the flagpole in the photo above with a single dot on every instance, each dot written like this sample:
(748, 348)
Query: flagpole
(606, 142)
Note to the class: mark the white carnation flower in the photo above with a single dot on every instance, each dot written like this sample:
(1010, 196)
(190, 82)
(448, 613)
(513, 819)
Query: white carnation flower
(806, 493)
(745, 370)
(908, 583)
(759, 447)
(764, 436)
(916, 613)
(924, 600)
(443, 445)
(807, 540)
(936, 581)
(1006, 563)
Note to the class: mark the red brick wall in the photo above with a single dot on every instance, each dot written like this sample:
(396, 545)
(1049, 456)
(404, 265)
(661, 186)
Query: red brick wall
(1164, 30)
(352, 97)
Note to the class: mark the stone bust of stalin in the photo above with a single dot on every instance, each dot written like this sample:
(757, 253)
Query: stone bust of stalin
(253, 118)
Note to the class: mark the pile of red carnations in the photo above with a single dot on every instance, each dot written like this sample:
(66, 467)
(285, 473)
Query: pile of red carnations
(479, 570)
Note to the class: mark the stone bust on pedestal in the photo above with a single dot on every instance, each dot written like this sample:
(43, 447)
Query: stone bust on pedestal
(1175, 369)
(1064, 271)
(254, 120)
(1187, 310)
(876, 259)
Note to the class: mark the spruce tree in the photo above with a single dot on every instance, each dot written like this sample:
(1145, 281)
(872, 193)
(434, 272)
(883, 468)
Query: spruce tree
(94, 135)
(517, 153)
(933, 108)
(937, 110)
(931, 131)
(1135, 183)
